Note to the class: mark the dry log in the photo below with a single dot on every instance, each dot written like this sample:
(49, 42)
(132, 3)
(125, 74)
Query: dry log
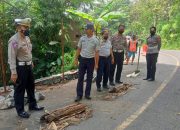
(63, 113)
(63, 117)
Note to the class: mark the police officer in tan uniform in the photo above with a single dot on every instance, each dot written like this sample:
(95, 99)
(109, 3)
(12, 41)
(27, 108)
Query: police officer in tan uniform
(154, 46)
(119, 47)
(20, 61)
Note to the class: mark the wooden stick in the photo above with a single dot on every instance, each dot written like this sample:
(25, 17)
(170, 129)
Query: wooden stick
(62, 47)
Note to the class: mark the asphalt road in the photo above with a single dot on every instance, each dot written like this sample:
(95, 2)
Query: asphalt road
(163, 113)
(147, 106)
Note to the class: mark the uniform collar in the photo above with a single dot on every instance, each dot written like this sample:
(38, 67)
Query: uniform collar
(90, 37)
(152, 36)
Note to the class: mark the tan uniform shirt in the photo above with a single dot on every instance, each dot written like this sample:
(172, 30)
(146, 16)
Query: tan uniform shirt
(154, 44)
(119, 42)
(18, 50)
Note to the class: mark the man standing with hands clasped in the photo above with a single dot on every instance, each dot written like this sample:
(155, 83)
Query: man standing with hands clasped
(154, 45)
(105, 59)
(88, 54)
(119, 47)
(20, 61)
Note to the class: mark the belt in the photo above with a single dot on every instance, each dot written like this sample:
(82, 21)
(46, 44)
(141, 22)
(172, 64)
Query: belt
(119, 51)
(86, 58)
(23, 63)
(105, 56)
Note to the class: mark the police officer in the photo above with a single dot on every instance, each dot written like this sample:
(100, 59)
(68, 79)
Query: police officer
(88, 50)
(119, 46)
(20, 61)
(105, 58)
(154, 45)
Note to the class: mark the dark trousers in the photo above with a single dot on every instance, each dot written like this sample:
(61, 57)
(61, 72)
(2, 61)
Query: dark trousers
(118, 61)
(151, 60)
(103, 71)
(24, 82)
(85, 65)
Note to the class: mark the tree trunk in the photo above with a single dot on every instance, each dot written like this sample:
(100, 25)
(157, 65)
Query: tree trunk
(62, 47)
(3, 68)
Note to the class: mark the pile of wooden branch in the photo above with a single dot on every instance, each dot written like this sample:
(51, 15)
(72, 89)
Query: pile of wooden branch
(117, 91)
(63, 117)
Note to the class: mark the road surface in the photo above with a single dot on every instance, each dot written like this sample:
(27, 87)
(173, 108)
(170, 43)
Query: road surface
(147, 106)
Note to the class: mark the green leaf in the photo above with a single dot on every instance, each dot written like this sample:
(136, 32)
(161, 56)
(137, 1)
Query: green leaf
(114, 15)
(81, 14)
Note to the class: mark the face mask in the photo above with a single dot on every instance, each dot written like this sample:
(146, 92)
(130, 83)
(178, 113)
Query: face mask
(152, 32)
(105, 37)
(25, 32)
(121, 31)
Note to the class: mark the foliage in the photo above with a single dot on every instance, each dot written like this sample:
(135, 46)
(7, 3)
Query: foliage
(46, 24)
(101, 17)
(164, 14)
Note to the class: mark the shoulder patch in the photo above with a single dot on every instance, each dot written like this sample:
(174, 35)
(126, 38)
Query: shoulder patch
(14, 44)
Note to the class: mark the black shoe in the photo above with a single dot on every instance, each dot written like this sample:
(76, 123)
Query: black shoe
(24, 114)
(119, 82)
(112, 84)
(78, 98)
(99, 89)
(150, 79)
(106, 87)
(146, 79)
(88, 97)
(36, 108)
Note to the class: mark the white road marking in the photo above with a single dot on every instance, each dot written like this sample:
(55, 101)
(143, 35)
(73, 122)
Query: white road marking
(135, 115)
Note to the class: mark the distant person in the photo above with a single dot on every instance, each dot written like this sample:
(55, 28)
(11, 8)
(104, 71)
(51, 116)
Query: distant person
(119, 46)
(154, 45)
(20, 61)
(105, 59)
(132, 49)
(128, 38)
(144, 49)
(88, 54)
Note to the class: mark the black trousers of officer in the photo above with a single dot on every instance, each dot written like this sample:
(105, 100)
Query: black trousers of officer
(151, 60)
(24, 82)
(118, 61)
(103, 71)
(85, 65)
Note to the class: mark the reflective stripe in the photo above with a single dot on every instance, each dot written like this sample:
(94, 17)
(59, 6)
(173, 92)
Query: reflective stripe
(23, 63)
(119, 51)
